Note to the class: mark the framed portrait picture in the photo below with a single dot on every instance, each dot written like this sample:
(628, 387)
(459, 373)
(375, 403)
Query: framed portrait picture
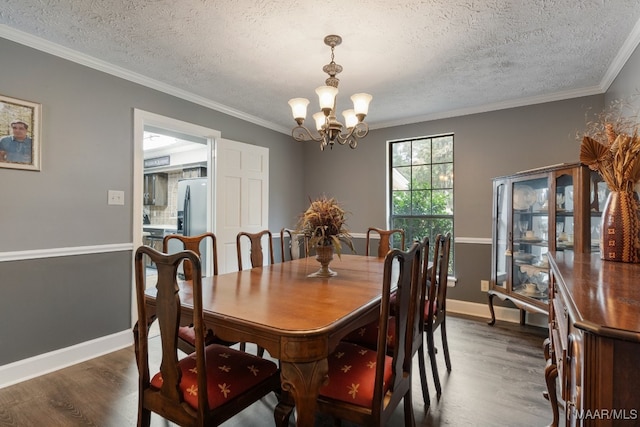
(19, 134)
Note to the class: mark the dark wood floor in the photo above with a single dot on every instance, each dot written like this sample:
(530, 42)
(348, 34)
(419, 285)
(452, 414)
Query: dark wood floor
(497, 380)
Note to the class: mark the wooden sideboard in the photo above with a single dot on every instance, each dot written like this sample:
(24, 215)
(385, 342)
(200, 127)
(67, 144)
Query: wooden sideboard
(593, 350)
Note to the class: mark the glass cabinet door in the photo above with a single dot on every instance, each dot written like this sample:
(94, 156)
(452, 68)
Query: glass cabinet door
(599, 193)
(565, 213)
(501, 235)
(531, 237)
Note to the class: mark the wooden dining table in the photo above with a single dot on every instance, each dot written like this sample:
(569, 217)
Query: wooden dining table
(297, 319)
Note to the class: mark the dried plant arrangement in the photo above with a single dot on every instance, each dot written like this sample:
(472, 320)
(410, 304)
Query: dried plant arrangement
(324, 222)
(611, 146)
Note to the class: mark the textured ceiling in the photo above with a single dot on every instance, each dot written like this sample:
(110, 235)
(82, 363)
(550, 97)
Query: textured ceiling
(419, 59)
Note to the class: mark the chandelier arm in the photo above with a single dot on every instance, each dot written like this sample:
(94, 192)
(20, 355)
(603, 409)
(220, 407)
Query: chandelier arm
(360, 130)
(301, 133)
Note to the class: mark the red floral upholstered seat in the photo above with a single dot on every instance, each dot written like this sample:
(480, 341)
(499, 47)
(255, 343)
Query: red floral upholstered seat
(367, 336)
(187, 337)
(352, 374)
(230, 374)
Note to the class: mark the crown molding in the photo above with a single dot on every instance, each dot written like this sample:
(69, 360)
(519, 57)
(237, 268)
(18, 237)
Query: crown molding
(485, 108)
(625, 52)
(51, 48)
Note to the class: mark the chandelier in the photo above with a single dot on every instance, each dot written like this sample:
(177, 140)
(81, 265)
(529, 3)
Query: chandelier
(329, 129)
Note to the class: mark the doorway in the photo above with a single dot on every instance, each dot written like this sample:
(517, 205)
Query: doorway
(167, 129)
(238, 201)
(171, 160)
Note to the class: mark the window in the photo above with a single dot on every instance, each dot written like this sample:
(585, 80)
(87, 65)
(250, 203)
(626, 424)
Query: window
(421, 187)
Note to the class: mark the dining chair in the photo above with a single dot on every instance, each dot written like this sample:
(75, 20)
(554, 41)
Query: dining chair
(365, 385)
(386, 236)
(186, 334)
(256, 254)
(193, 243)
(292, 245)
(367, 335)
(194, 390)
(436, 305)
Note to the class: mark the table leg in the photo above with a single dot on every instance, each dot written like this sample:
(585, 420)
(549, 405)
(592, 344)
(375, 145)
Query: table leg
(303, 381)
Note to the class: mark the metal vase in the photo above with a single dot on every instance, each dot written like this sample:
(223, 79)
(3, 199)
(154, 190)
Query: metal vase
(324, 255)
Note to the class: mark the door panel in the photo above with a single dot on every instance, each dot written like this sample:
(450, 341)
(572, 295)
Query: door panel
(242, 189)
(255, 202)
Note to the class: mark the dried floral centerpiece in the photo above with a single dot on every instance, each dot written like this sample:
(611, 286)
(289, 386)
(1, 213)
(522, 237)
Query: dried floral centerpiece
(611, 147)
(324, 225)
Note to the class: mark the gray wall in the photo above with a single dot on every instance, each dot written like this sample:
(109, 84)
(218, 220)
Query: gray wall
(626, 85)
(87, 136)
(87, 149)
(485, 146)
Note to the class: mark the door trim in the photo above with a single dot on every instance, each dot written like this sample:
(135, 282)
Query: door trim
(140, 119)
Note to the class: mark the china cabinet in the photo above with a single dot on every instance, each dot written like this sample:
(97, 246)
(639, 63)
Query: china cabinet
(554, 208)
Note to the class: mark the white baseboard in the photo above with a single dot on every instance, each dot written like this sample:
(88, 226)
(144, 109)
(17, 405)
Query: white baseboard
(505, 314)
(42, 364)
(32, 367)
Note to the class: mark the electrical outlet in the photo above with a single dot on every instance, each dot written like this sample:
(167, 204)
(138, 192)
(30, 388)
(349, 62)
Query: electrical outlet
(115, 197)
(484, 285)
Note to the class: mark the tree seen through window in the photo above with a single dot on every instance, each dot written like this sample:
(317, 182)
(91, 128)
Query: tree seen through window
(421, 196)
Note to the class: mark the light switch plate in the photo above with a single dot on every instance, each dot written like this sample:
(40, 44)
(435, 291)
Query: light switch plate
(115, 197)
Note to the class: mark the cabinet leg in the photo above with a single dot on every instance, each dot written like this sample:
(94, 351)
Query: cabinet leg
(550, 375)
(523, 317)
(493, 314)
(546, 347)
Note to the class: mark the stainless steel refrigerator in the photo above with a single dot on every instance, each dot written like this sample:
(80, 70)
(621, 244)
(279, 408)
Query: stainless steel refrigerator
(192, 213)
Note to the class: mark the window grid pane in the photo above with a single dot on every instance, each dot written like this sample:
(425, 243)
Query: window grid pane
(421, 199)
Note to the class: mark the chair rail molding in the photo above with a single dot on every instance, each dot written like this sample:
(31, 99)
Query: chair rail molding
(62, 252)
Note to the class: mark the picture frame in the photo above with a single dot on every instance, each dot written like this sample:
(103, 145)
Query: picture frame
(20, 142)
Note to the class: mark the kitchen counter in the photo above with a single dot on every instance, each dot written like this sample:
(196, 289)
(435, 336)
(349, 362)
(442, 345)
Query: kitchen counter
(163, 226)
(159, 230)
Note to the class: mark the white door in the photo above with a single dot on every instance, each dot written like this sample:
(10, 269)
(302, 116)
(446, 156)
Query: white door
(242, 197)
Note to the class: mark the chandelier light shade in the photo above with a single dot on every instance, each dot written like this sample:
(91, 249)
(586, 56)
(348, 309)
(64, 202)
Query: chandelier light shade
(329, 129)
